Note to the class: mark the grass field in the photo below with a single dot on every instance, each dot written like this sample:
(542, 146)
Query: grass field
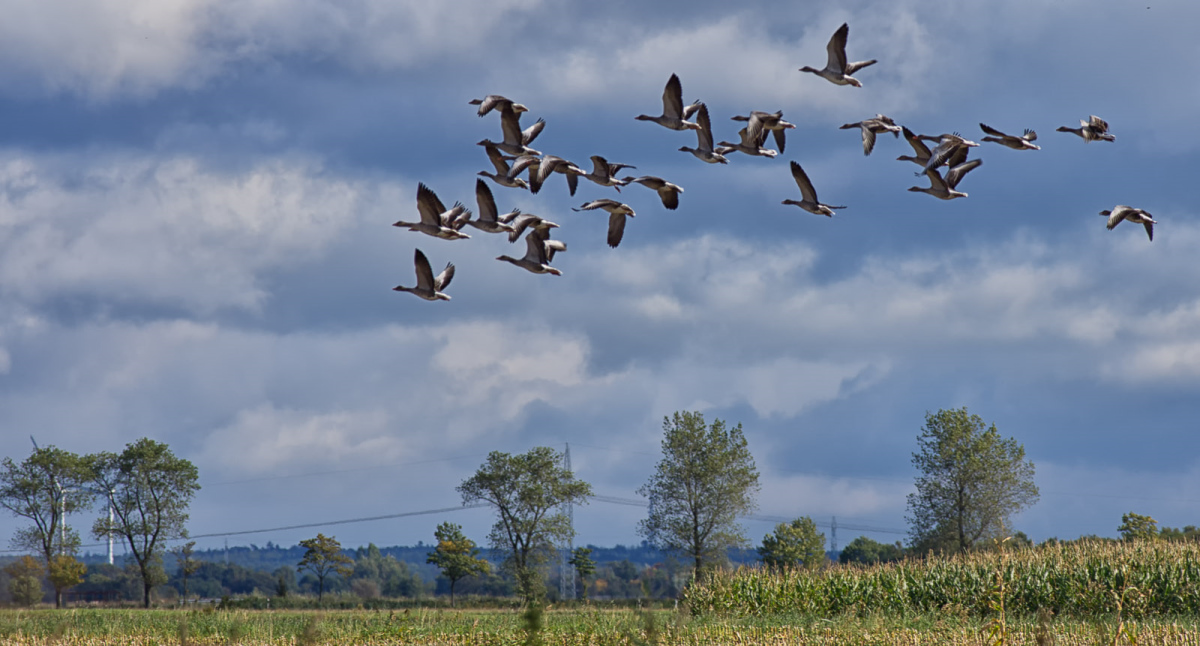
(1085, 593)
(96, 627)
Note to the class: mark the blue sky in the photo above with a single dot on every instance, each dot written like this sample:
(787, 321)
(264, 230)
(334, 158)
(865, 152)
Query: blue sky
(195, 246)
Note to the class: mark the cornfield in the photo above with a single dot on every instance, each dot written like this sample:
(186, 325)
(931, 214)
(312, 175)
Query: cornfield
(1086, 579)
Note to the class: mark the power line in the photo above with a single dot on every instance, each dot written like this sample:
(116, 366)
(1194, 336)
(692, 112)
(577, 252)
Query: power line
(305, 525)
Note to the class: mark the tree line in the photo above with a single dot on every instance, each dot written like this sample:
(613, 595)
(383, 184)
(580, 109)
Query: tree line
(971, 482)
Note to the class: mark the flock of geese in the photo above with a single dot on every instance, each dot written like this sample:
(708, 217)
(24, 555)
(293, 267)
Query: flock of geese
(513, 157)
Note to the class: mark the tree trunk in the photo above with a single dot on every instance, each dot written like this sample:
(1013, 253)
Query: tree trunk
(146, 589)
(452, 593)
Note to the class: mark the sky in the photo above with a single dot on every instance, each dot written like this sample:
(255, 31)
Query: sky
(196, 199)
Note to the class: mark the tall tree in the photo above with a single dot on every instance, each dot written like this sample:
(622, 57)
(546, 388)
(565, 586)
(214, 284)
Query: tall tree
(323, 556)
(46, 487)
(64, 572)
(456, 555)
(581, 560)
(1136, 526)
(25, 580)
(704, 481)
(527, 491)
(149, 490)
(793, 544)
(971, 482)
(186, 564)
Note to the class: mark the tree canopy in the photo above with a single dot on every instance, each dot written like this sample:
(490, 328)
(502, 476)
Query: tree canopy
(323, 556)
(45, 488)
(704, 481)
(456, 555)
(971, 482)
(794, 544)
(149, 490)
(527, 492)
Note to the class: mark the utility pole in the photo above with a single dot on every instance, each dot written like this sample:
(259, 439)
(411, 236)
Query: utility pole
(566, 576)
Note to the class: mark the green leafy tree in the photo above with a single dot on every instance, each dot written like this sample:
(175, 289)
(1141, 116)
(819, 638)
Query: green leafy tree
(456, 555)
(187, 565)
(971, 482)
(45, 488)
(323, 556)
(866, 550)
(527, 492)
(581, 560)
(1136, 526)
(390, 577)
(25, 582)
(793, 544)
(704, 481)
(64, 572)
(149, 490)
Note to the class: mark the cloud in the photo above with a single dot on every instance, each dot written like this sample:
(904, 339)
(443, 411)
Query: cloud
(173, 232)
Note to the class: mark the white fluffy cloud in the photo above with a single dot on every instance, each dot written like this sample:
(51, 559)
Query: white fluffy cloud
(174, 231)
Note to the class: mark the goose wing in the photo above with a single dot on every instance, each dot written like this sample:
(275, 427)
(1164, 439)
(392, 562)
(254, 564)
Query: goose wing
(918, 146)
(616, 229)
(535, 247)
(510, 126)
(837, 49)
(1030, 135)
(704, 134)
(936, 182)
(532, 132)
(868, 138)
(487, 203)
(600, 167)
(806, 187)
(780, 138)
(669, 195)
(552, 247)
(497, 159)
(424, 271)
(956, 173)
(429, 206)
(992, 131)
(1097, 124)
(854, 67)
(673, 98)
(443, 279)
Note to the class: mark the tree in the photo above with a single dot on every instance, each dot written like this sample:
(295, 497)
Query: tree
(186, 564)
(792, 544)
(48, 486)
(149, 490)
(704, 481)
(971, 482)
(1136, 526)
(456, 555)
(323, 556)
(527, 492)
(64, 572)
(866, 550)
(25, 583)
(581, 559)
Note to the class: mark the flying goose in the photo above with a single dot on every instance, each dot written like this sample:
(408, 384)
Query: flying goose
(489, 220)
(496, 102)
(952, 150)
(436, 219)
(616, 217)
(529, 220)
(1024, 142)
(537, 254)
(503, 175)
(870, 127)
(552, 164)
(837, 70)
(704, 148)
(810, 202)
(516, 141)
(1122, 212)
(428, 287)
(751, 145)
(605, 174)
(944, 189)
(674, 115)
(920, 150)
(667, 192)
(1092, 129)
(773, 121)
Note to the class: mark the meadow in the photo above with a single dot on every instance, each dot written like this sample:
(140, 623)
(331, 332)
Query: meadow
(1078, 593)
